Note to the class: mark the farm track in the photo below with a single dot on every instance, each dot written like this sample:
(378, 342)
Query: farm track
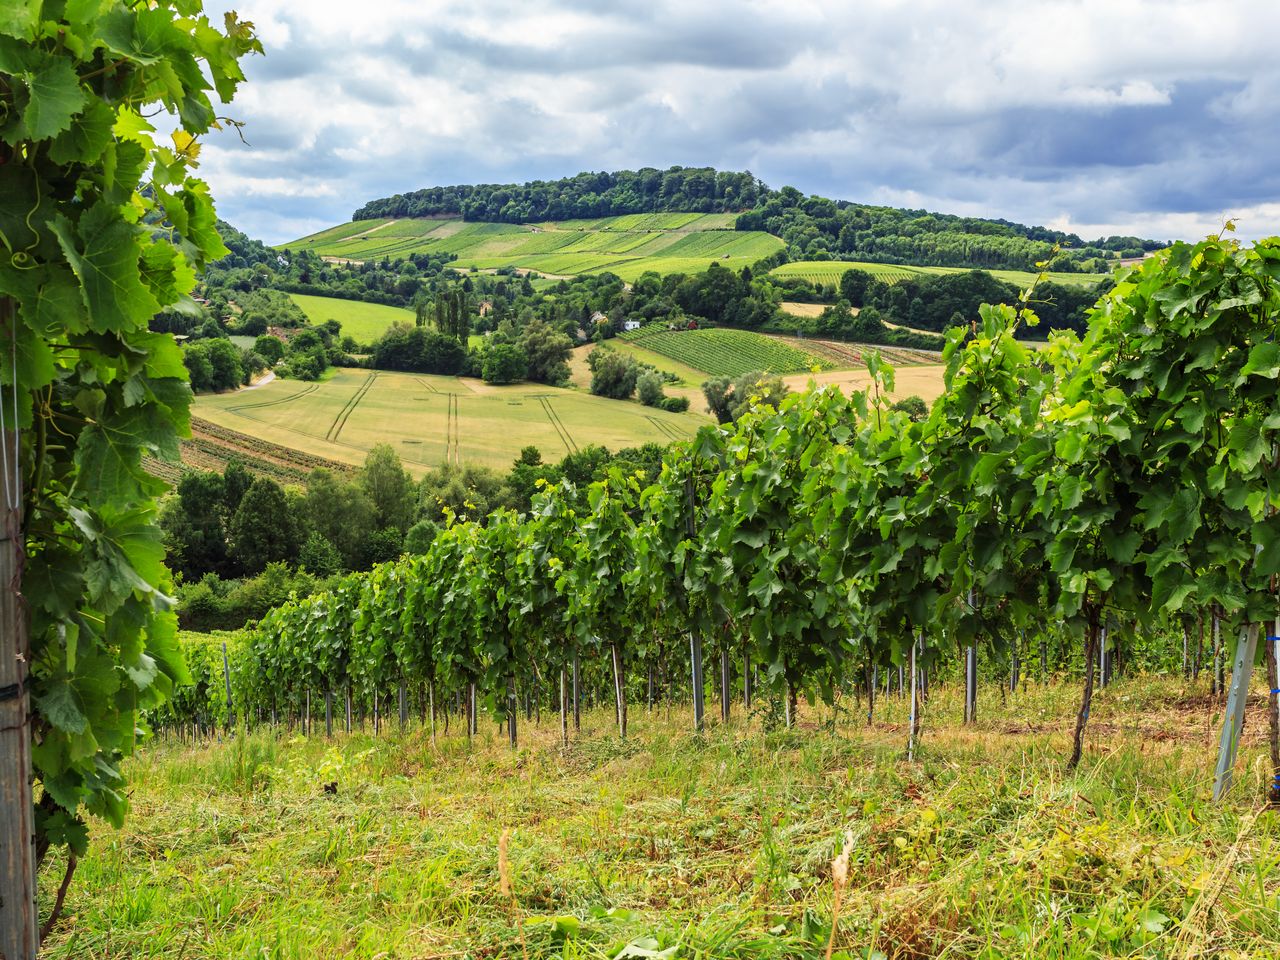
(427, 384)
(663, 428)
(560, 428)
(344, 414)
(305, 391)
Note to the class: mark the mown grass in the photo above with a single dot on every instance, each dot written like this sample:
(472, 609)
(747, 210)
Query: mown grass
(706, 847)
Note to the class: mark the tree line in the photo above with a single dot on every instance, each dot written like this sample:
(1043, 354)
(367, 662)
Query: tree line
(587, 195)
(242, 544)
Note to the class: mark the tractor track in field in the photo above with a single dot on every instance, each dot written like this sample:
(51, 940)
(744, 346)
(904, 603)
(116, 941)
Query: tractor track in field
(663, 428)
(452, 432)
(344, 414)
(305, 391)
(565, 437)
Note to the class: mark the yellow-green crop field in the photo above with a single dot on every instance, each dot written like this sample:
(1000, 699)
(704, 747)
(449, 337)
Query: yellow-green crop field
(364, 321)
(627, 246)
(433, 420)
(830, 271)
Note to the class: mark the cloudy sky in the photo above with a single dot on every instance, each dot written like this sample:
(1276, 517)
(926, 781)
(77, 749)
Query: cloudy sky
(1151, 117)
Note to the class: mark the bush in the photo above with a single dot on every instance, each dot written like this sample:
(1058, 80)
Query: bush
(675, 404)
(649, 389)
(503, 363)
(613, 374)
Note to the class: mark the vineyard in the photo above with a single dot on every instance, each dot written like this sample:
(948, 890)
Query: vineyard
(830, 271)
(772, 539)
(834, 564)
(837, 354)
(626, 246)
(726, 353)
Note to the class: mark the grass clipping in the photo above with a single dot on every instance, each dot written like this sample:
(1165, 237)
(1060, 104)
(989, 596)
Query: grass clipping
(507, 889)
(839, 879)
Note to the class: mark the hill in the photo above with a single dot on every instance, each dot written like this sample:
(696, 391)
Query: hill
(811, 227)
(626, 246)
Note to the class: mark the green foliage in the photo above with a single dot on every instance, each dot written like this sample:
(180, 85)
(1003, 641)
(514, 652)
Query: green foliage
(546, 352)
(649, 388)
(388, 486)
(264, 529)
(613, 374)
(84, 269)
(503, 363)
(728, 399)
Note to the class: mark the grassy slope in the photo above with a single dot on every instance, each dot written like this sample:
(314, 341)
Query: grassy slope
(985, 848)
(627, 246)
(364, 321)
(830, 271)
(413, 413)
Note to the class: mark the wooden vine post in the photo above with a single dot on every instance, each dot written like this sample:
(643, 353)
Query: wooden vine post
(18, 935)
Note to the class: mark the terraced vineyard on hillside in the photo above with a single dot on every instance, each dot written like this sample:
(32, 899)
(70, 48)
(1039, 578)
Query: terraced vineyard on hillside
(626, 246)
(728, 353)
(830, 271)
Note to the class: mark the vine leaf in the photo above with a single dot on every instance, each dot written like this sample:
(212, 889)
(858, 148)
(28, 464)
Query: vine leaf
(18, 18)
(107, 265)
(59, 707)
(55, 97)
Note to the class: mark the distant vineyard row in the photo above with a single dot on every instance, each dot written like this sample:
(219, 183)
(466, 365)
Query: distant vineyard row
(212, 447)
(627, 245)
(830, 271)
(727, 353)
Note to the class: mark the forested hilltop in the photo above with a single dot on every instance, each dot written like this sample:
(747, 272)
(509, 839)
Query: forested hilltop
(814, 228)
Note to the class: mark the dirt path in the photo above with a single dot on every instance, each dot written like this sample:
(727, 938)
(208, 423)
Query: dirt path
(261, 381)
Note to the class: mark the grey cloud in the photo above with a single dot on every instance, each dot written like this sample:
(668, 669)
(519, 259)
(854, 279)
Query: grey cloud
(885, 101)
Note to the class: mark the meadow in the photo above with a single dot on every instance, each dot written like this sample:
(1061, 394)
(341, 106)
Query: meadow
(430, 420)
(830, 271)
(366, 322)
(626, 245)
(670, 845)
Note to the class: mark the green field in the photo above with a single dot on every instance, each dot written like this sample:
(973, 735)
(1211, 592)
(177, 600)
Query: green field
(830, 271)
(431, 420)
(364, 321)
(718, 846)
(626, 246)
(727, 353)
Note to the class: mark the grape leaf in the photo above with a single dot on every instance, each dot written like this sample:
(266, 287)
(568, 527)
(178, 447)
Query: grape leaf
(55, 96)
(103, 252)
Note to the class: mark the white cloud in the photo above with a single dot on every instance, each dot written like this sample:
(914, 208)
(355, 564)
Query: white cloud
(1146, 116)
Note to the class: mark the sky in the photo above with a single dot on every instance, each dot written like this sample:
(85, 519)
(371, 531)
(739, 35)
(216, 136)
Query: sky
(1156, 118)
